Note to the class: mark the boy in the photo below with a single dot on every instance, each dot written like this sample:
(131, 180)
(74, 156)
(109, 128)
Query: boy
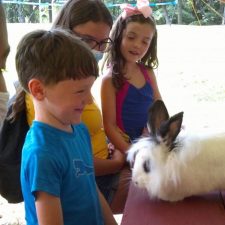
(57, 174)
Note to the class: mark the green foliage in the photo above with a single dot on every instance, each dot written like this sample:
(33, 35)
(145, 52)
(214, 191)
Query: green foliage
(209, 12)
(205, 12)
(197, 12)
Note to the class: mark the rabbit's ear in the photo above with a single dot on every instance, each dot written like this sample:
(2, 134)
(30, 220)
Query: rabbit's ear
(156, 115)
(170, 129)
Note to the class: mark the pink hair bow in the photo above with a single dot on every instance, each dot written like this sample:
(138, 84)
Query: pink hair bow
(142, 7)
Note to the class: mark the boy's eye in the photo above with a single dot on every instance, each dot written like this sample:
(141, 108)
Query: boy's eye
(79, 92)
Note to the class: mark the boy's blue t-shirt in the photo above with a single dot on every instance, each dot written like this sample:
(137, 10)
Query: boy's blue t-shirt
(60, 163)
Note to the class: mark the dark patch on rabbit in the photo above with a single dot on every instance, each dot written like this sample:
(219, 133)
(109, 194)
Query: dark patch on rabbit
(146, 166)
(172, 166)
(132, 162)
(163, 128)
(156, 115)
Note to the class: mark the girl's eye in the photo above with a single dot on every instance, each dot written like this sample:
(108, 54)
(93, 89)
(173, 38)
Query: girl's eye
(130, 37)
(146, 42)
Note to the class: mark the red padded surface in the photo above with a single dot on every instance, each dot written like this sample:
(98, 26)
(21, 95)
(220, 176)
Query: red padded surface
(197, 210)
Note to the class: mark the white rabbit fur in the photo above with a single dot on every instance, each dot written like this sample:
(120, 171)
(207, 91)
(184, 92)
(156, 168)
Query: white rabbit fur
(172, 168)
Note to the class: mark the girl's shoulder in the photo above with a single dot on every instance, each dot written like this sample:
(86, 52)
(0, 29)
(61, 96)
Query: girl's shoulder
(107, 75)
(148, 72)
(145, 68)
(107, 72)
(107, 84)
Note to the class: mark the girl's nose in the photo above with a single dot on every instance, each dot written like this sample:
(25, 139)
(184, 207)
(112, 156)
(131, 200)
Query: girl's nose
(137, 44)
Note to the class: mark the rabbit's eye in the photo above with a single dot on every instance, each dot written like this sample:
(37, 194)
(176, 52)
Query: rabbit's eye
(146, 166)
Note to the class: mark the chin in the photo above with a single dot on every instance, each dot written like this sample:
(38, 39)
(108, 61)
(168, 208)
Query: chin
(76, 121)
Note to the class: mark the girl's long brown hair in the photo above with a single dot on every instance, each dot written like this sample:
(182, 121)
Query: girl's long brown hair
(115, 59)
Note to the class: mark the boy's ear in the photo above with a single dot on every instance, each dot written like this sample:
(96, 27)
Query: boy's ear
(36, 89)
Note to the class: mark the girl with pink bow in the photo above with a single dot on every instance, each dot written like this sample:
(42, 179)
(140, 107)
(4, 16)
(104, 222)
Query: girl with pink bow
(129, 86)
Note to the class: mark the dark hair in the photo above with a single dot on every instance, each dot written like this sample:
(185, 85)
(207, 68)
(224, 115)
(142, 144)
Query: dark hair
(76, 12)
(115, 59)
(53, 56)
(50, 56)
(73, 13)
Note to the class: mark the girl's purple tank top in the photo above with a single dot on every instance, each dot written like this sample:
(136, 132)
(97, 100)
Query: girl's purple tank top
(132, 106)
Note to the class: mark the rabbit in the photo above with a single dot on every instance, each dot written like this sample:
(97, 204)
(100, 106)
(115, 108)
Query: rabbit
(171, 165)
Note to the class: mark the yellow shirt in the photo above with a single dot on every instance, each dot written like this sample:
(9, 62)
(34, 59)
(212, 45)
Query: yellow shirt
(91, 117)
(29, 109)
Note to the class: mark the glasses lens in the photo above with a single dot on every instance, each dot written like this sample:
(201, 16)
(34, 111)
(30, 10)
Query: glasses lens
(90, 42)
(102, 46)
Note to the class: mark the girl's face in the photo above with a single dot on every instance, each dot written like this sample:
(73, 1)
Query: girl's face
(136, 40)
(93, 33)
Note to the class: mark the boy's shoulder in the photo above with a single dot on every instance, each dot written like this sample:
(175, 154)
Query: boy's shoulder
(44, 139)
(41, 134)
(45, 129)
(81, 128)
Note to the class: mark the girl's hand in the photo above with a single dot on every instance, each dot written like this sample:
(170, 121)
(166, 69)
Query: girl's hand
(111, 149)
(118, 158)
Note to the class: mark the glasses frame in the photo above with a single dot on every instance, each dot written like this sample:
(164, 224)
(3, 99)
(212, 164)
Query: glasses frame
(108, 41)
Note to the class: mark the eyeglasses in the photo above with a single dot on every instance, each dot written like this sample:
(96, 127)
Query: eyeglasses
(102, 46)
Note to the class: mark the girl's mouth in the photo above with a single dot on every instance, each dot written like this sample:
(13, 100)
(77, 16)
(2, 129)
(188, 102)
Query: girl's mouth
(133, 52)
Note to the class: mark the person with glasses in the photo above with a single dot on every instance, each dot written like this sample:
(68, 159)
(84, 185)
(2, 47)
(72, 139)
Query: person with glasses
(4, 51)
(91, 21)
(98, 47)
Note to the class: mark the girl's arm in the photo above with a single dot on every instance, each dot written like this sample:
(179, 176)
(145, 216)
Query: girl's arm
(48, 207)
(155, 87)
(108, 99)
(109, 166)
(106, 211)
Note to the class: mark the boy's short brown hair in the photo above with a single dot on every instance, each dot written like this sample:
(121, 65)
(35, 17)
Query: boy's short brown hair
(52, 56)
